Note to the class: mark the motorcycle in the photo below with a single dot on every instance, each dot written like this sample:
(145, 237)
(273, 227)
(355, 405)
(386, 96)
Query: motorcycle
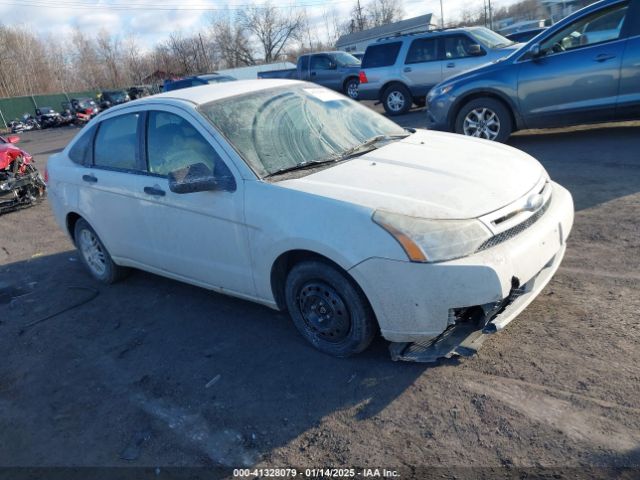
(21, 184)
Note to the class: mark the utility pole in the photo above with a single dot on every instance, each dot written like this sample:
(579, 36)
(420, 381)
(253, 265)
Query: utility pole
(490, 16)
(441, 16)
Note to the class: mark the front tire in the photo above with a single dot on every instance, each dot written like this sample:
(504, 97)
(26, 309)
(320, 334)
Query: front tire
(485, 118)
(397, 99)
(328, 309)
(95, 256)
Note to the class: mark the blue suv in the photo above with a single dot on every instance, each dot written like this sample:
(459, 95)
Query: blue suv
(584, 69)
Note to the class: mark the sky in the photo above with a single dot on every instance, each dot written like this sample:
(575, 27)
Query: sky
(151, 21)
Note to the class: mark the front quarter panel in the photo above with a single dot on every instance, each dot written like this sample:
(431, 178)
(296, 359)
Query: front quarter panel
(280, 219)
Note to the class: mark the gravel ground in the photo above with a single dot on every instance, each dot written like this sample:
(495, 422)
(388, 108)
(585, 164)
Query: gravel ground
(155, 373)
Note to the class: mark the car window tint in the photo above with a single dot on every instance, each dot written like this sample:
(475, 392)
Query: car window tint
(381, 55)
(422, 50)
(602, 26)
(320, 62)
(81, 151)
(304, 62)
(457, 46)
(173, 143)
(116, 144)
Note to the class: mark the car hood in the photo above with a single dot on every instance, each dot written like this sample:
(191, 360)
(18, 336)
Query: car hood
(429, 175)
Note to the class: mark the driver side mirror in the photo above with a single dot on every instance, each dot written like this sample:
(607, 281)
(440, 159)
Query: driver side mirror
(535, 51)
(332, 66)
(198, 178)
(475, 50)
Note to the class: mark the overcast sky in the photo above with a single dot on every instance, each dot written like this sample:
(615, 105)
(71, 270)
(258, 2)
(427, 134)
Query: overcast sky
(153, 20)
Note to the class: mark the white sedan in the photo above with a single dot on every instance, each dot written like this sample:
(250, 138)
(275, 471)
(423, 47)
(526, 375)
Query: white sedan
(293, 196)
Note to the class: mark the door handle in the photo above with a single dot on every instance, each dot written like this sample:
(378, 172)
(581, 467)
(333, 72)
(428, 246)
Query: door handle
(451, 65)
(89, 178)
(154, 191)
(604, 56)
(407, 69)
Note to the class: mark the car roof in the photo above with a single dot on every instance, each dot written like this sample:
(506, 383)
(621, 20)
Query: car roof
(434, 33)
(208, 93)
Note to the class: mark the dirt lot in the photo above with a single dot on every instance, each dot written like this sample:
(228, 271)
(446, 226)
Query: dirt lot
(156, 373)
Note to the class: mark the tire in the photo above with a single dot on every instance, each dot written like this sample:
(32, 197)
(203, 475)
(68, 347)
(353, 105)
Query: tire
(315, 289)
(396, 99)
(491, 116)
(351, 88)
(95, 256)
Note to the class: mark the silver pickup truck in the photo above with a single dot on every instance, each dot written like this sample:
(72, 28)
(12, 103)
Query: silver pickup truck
(400, 70)
(335, 70)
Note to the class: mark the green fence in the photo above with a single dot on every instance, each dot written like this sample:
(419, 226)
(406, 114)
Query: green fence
(16, 107)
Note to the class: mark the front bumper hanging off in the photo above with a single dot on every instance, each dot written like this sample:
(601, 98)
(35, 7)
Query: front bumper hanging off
(476, 324)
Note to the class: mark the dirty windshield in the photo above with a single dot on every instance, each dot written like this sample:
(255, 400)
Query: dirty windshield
(280, 128)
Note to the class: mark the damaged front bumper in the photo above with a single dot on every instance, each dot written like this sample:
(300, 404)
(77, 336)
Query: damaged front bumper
(474, 325)
(450, 307)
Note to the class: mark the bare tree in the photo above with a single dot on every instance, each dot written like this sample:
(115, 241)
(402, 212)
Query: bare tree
(383, 12)
(273, 29)
(108, 54)
(231, 42)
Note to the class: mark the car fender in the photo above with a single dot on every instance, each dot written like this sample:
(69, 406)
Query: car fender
(503, 92)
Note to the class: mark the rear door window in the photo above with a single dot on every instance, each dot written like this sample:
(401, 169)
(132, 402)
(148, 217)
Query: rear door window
(116, 144)
(304, 63)
(422, 50)
(381, 55)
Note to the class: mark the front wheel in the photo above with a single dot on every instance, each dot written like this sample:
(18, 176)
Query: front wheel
(485, 118)
(328, 309)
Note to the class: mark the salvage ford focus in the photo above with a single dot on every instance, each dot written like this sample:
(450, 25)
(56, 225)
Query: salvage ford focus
(296, 197)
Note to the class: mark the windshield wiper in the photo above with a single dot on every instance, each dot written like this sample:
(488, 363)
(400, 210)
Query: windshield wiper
(301, 166)
(369, 145)
(361, 148)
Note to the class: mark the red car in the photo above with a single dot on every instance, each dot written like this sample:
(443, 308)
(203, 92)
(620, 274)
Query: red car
(21, 184)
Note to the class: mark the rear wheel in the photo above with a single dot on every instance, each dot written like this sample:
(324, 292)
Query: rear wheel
(485, 118)
(95, 256)
(397, 99)
(328, 309)
(351, 88)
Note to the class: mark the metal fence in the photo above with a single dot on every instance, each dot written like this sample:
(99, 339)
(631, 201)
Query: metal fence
(16, 107)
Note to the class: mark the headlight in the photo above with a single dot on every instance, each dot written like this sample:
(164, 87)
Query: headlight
(437, 91)
(426, 240)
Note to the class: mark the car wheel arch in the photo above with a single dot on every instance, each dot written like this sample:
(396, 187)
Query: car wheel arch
(287, 260)
(390, 83)
(71, 220)
(347, 80)
(462, 101)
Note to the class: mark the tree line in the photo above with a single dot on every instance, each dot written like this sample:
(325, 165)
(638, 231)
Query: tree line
(263, 33)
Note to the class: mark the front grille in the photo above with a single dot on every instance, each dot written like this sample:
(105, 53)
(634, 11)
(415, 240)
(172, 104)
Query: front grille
(513, 231)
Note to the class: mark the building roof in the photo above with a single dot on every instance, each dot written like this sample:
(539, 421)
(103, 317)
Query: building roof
(385, 30)
(251, 72)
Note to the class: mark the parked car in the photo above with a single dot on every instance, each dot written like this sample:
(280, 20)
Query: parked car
(294, 196)
(524, 35)
(400, 70)
(196, 81)
(109, 98)
(82, 106)
(139, 91)
(47, 117)
(584, 69)
(335, 70)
